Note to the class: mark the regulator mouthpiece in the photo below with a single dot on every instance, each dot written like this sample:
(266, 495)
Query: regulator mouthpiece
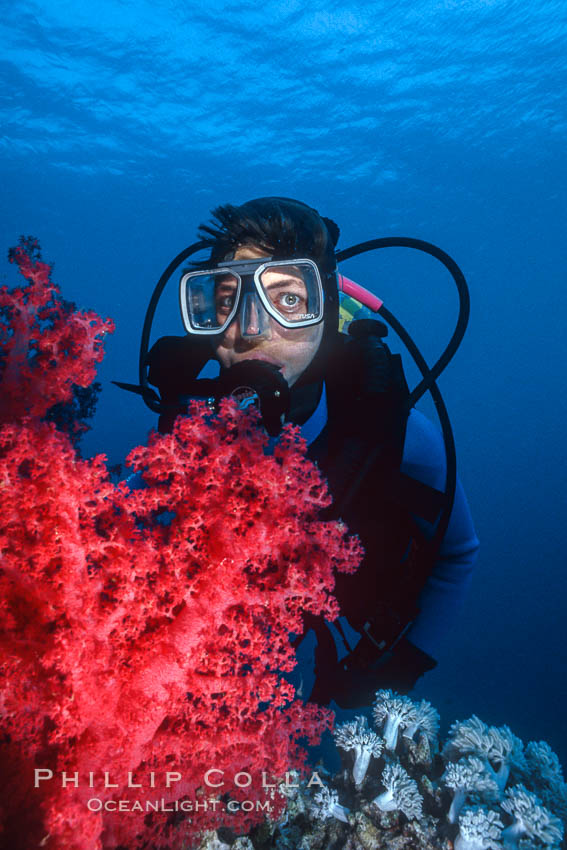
(260, 384)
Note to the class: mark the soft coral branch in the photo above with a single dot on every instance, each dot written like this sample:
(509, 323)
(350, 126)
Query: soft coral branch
(133, 645)
(46, 346)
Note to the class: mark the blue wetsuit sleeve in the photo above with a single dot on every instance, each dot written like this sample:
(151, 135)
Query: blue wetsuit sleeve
(445, 589)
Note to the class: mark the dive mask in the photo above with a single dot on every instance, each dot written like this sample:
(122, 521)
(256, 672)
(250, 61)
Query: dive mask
(288, 291)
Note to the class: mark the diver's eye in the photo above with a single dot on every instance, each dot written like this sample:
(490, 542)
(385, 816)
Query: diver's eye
(289, 301)
(224, 303)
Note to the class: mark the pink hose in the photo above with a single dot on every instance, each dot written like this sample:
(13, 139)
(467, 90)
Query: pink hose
(349, 287)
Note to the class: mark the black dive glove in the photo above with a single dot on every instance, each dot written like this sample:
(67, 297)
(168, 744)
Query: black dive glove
(354, 687)
(259, 383)
(174, 364)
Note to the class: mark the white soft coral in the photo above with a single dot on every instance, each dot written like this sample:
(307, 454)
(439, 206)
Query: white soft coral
(396, 712)
(543, 763)
(467, 777)
(426, 721)
(401, 793)
(531, 820)
(500, 748)
(356, 735)
(479, 829)
(326, 805)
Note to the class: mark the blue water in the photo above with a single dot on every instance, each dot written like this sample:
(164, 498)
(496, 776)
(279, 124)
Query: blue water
(124, 123)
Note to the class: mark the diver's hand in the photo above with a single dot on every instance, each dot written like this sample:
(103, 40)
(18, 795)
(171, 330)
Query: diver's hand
(173, 363)
(398, 670)
(260, 383)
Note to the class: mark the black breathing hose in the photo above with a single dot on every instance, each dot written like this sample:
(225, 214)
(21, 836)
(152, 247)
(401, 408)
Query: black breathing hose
(148, 394)
(429, 376)
(464, 299)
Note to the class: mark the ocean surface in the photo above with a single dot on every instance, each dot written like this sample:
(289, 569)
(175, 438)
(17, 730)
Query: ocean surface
(124, 124)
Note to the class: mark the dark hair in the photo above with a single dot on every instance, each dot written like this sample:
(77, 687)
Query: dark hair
(285, 228)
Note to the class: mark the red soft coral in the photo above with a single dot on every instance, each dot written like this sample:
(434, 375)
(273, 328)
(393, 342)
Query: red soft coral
(46, 345)
(146, 631)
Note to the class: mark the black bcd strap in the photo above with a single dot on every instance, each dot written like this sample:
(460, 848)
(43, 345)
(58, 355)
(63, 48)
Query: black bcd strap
(360, 452)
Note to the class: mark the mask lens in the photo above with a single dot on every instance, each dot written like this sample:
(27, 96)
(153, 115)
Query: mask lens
(293, 292)
(208, 300)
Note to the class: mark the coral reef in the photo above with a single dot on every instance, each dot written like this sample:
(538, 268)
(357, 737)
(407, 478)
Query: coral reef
(405, 801)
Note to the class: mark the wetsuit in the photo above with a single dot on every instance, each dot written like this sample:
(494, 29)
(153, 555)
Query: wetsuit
(440, 598)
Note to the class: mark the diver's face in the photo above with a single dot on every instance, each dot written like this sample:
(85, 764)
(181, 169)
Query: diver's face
(290, 350)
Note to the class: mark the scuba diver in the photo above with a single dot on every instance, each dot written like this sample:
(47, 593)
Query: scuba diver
(266, 305)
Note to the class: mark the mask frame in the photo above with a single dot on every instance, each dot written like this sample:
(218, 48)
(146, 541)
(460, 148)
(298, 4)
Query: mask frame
(248, 276)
